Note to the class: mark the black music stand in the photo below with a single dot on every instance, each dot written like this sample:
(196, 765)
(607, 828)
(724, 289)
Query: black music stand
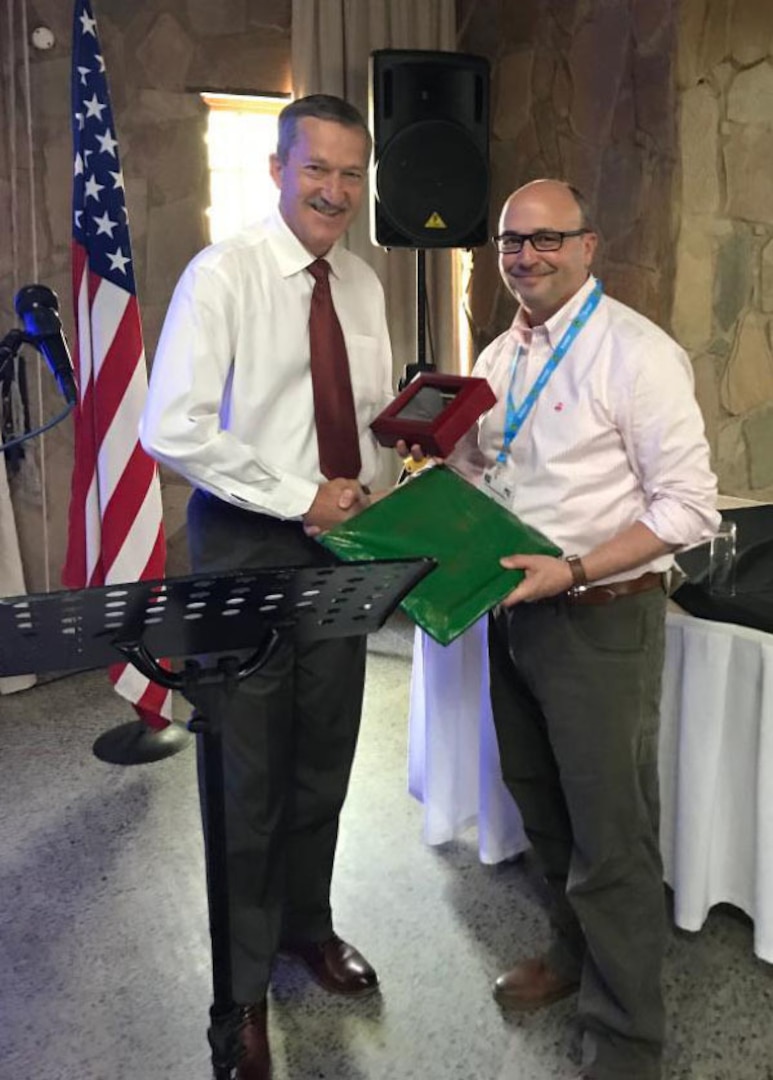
(233, 623)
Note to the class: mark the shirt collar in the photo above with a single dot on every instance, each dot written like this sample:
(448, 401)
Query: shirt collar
(289, 252)
(555, 327)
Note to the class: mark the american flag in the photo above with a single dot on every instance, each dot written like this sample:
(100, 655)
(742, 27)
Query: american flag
(116, 532)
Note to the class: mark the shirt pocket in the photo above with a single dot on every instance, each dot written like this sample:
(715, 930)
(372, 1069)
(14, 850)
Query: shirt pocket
(367, 376)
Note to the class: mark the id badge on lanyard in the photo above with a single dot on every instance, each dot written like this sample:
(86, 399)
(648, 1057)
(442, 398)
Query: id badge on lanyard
(495, 482)
(497, 486)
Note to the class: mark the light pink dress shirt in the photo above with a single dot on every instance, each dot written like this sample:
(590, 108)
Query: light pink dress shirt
(615, 437)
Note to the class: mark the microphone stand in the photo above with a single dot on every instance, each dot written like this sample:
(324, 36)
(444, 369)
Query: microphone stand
(10, 346)
(134, 742)
(9, 349)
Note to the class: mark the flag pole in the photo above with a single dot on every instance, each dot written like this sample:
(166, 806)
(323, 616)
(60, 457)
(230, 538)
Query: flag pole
(116, 532)
(136, 743)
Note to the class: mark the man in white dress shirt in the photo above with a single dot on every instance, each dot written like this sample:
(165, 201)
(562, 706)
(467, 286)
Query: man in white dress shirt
(596, 440)
(234, 406)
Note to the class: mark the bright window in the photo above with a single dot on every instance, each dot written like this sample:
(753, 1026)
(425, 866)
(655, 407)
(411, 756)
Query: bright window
(241, 134)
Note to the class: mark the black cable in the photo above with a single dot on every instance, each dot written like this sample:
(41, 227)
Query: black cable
(9, 347)
(38, 431)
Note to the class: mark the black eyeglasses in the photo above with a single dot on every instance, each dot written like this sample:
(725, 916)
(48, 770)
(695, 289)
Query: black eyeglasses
(511, 243)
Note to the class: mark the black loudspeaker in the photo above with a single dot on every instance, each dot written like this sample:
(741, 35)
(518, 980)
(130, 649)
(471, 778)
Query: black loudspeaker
(429, 114)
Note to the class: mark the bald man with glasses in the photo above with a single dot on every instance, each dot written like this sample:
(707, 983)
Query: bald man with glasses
(596, 439)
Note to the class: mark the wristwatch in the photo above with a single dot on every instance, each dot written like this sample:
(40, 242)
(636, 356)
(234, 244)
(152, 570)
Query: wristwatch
(579, 577)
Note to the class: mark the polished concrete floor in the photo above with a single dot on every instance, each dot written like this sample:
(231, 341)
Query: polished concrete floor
(104, 961)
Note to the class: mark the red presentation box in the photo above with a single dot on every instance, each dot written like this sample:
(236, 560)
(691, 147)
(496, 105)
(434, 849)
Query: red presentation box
(434, 410)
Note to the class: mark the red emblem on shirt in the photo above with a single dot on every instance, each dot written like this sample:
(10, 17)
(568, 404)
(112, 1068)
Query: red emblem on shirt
(559, 406)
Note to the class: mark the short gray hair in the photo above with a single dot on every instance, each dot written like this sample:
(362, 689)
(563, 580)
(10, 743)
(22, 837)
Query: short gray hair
(320, 107)
(586, 217)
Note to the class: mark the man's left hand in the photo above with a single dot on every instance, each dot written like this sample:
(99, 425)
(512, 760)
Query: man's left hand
(415, 451)
(545, 577)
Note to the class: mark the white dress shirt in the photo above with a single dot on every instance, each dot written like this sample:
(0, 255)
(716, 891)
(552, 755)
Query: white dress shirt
(615, 437)
(230, 402)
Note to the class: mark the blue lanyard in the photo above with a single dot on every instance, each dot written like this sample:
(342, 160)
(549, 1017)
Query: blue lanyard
(515, 417)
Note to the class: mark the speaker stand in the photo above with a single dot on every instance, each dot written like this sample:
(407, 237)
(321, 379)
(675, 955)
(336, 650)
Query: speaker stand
(422, 364)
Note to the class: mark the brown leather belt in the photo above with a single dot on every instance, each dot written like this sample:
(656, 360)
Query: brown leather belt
(607, 594)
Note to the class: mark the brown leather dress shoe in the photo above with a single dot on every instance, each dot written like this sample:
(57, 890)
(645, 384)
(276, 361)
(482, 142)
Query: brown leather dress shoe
(337, 966)
(532, 985)
(255, 1060)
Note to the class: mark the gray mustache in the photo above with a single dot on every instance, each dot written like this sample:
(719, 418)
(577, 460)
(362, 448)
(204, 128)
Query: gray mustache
(323, 204)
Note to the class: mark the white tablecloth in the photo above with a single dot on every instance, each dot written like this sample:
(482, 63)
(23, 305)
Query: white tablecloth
(453, 759)
(716, 763)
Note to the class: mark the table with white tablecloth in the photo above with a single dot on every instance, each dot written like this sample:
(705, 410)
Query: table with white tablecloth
(716, 763)
(453, 760)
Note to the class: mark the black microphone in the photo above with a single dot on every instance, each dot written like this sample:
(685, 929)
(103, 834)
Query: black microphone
(38, 308)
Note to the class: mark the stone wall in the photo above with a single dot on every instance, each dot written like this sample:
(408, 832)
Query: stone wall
(583, 90)
(661, 111)
(723, 301)
(158, 54)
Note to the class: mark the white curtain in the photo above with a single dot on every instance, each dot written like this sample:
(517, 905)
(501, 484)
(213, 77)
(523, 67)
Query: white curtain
(11, 576)
(13, 37)
(331, 44)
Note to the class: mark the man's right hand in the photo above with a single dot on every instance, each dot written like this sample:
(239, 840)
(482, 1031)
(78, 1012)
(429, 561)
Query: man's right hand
(335, 501)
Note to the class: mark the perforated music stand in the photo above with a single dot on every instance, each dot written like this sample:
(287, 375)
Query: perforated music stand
(232, 623)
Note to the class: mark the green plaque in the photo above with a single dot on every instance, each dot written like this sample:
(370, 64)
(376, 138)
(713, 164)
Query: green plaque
(442, 516)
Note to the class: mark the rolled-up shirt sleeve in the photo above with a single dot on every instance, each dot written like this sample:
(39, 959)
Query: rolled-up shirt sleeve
(665, 440)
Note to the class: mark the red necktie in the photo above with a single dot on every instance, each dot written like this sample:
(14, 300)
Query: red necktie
(337, 439)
